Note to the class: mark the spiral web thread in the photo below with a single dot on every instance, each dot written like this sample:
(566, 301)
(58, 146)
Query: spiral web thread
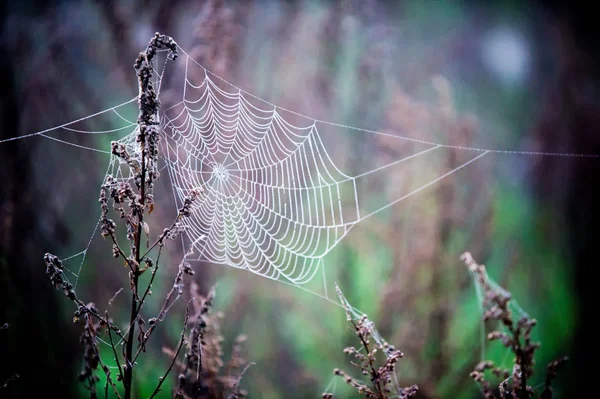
(274, 202)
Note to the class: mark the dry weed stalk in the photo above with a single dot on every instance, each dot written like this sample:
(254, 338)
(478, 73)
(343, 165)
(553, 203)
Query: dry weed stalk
(131, 203)
(203, 374)
(516, 337)
(382, 373)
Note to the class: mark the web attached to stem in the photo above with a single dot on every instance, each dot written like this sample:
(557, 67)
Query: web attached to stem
(274, 202)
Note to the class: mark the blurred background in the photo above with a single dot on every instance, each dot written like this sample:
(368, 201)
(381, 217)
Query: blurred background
(504, 75)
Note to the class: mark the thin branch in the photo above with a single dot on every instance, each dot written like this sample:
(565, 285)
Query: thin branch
(374, 373)
(112, 343)
(181, 343)
(163, 311)
(116, 244)
(117, 360)
(238, 381)
(161, 238)
(108, 379)
(149, 286)
(104, 367)
(82, 307)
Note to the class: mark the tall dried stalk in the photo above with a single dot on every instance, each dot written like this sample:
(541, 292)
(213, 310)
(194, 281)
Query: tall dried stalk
(131, 203)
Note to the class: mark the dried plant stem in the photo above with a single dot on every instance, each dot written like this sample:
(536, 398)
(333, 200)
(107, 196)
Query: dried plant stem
(118, 247)
(163, 311)
(161, 239)
(149, 286)
(374, 374)
(147, 138)
(128, 377)
(130, 201)
(106, 370)
(182, 342)
(110, 338)
(383, 379)
(85, 310)
(114, 348)
(134, 282)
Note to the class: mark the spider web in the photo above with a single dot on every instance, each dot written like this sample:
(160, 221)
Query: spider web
(274, 202)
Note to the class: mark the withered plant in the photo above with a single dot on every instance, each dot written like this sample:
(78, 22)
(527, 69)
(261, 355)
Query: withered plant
(381, 370)
(132, 204)
(203, 373)
(515, 335)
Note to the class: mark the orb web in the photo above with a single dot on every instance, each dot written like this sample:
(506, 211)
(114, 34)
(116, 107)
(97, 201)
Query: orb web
(273, 201)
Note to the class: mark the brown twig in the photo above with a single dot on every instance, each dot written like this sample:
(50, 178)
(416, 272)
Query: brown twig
(110, 338)
(169, 301)
(147, 138)
(108, 379)
(182, 342)
(234, 394)
(149, 286)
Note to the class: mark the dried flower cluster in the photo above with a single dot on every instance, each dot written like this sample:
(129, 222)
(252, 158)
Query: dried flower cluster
(203, 372)
(516, 337)
(91, 355)
(382, 374)
(149, 104)
(54, 271)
